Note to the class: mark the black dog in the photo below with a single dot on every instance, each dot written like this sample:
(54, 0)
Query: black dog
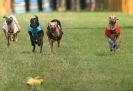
(54, 32)
(36, 33)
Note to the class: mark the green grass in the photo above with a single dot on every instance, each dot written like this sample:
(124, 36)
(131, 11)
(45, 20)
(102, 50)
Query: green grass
(82, 63)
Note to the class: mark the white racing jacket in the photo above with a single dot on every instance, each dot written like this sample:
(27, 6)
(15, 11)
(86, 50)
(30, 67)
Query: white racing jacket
(15, 24)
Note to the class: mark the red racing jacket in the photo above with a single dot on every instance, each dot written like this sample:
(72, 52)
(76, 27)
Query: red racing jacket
(113, 33)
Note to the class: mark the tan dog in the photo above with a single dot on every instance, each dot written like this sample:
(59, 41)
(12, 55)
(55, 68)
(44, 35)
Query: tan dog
(10, 28)
(54, 32)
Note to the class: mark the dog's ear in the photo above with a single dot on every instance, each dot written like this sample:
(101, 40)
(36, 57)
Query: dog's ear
(11, 18)
(36, 17)
(49, 23)
(31, 20)
(5, 17)
(59, 27)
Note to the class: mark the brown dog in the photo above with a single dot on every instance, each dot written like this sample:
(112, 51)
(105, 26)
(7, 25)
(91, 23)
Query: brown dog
(10, 29)
(54, 32)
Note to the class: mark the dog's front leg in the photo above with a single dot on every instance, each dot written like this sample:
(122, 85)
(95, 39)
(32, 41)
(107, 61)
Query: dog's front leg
(8, 40)
(15, 37)
(58, 43)
(41, 45)
(34, 46)
(51, 42)
(6, 35)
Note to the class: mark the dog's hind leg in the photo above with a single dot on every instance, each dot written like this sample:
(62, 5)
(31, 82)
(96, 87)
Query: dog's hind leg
(41, 48)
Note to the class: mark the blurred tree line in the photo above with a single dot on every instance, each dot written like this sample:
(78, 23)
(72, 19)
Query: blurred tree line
(70, 5)
(76, 5)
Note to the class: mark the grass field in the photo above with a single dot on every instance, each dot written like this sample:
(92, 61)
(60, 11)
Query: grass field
(82, 63)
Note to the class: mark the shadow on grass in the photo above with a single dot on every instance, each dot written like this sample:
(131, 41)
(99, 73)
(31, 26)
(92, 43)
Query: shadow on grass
(1, 49)
(84, 28)
(124, 27)
(26, 52)
(36, 52)
(105, 53)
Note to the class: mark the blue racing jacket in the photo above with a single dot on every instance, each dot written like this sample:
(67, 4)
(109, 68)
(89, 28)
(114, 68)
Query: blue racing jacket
(34, 31)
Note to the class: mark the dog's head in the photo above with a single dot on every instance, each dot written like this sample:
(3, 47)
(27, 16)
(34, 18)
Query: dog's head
(34, 22)
(112, 20)
(52, 26)
(9, 20)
